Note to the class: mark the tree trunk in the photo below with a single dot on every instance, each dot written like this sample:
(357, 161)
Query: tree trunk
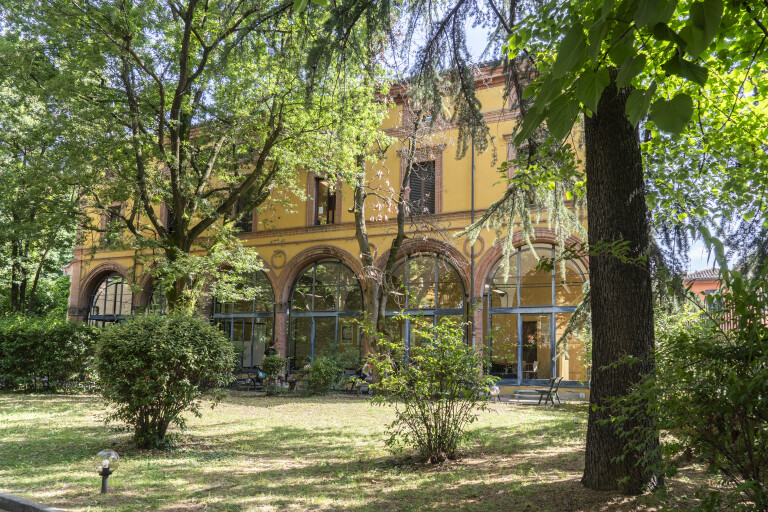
(622, 310)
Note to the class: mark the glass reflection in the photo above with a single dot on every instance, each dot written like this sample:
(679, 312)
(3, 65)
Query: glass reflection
(111, 301)
(325, 304)
(524, 328)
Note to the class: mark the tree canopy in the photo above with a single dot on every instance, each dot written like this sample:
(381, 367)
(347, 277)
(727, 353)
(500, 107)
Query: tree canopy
(199, 111)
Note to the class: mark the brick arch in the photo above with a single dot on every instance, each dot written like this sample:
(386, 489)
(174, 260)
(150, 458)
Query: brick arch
(430, 245)
(146, 282)
(298, 263)
(95, 276)
(493, 254)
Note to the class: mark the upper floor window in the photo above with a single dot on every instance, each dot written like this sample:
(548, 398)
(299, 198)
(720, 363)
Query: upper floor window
(422, 184)
(325, 203)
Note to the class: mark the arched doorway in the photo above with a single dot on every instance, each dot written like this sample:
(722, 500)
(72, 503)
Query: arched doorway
(111, 301)
(249, 324)
(325, 306)
(428, 286)
(528, 311)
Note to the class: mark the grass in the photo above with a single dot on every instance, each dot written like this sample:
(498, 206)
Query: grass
(267, 454)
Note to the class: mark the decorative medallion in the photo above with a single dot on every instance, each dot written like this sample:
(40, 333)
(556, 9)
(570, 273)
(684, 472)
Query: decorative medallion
(278, 259)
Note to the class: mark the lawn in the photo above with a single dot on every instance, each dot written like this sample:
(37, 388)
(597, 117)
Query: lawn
(254, 453)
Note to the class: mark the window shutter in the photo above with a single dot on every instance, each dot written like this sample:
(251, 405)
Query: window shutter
(422, 196)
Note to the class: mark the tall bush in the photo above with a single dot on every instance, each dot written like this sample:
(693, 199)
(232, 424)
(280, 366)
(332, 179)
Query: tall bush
(436, 389)
(154, 367)
(710, 393)
(327, 371)
(42, 353)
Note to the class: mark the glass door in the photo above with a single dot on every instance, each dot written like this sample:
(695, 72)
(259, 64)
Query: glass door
(536, 344)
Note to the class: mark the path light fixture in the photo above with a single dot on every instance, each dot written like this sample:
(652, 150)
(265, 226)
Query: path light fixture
(106, 464)
(495, 393)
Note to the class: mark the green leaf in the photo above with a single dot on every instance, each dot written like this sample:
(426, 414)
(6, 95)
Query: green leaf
(606, 8)
(662, 32)
(589, 87)
(299, 5)
(672, 116)
(646, 11)
(631, 67)
(705, 23)
(549, 90)
(597, 33)
(562, 113)
(685, 69)
(706, 15)
(638, 103)
(532, 120)
(621, 52)
(324, 3)
(570, 52)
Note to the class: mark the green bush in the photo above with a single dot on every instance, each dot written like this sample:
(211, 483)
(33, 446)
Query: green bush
(45, 354)
(326, 372)
(154, 367)
(436, 392)
(273, 366)
(710, 394)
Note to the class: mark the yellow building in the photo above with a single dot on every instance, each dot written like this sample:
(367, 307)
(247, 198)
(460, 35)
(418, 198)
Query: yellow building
(310, 292)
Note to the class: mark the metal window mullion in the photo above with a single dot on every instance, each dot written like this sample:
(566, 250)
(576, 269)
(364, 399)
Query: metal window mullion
(437, 287)
(312, 339)
(554, 271)
(314, 284)
(407, 282)
(519, 278)
(553, 348)
(336, 335)
(337, 301)
(519, 349)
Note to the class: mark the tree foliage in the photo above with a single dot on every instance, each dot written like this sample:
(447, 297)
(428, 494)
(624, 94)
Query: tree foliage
(200, 110)
(39, 174)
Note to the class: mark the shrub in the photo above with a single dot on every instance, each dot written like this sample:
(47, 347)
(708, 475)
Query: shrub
(710, 394)
(436, 393)
(326, 372)
(43, 353)
(273, 366)
(154, 367)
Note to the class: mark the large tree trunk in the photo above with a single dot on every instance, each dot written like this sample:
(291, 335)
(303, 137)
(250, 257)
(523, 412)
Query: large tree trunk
(622, 310)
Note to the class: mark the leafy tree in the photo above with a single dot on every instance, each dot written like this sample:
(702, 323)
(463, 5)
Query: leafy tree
(202, 110)
(39, 174)
(619, 61)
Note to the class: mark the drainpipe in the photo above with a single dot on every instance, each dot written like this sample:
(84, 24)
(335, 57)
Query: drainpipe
(472, 247)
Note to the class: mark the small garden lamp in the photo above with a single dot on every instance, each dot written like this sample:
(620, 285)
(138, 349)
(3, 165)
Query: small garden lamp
(495, 393)
(106, 464)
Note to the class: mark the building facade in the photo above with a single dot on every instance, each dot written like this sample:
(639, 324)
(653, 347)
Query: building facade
(310, 294)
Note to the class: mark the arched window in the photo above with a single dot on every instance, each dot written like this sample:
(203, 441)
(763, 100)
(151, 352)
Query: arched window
(111, 301)
(428, 286)
(249, 324)
(157, 301)
(528, 310)
(325, 308)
